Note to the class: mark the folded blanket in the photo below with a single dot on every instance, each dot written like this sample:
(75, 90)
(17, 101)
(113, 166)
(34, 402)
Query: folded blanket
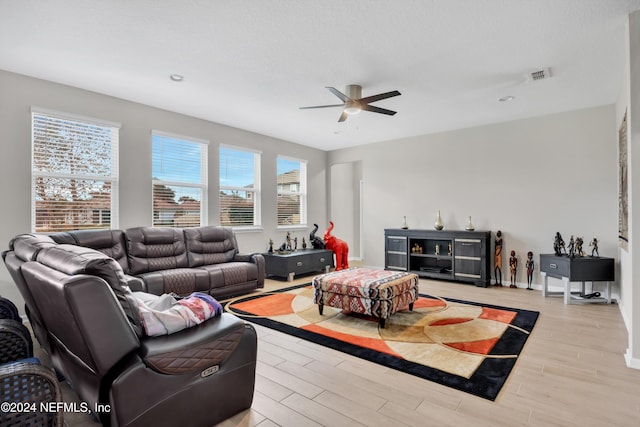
(164, 314)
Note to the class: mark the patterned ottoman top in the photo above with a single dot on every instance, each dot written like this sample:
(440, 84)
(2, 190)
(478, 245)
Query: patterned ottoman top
(366, 283)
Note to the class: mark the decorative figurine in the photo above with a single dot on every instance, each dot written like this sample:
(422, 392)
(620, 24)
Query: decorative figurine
(449, 250)
(558, 245)
(513, 266)
(295, 243)
(579, 243)
(338, 246)
(416, 249)
(288, 241)
(437, 249)
(594, 243)
(316, 242)
(530, 266)
(497, 259)
(304, 243)
(439, 225)
(285, 248)
(270, 246)
(572, 247)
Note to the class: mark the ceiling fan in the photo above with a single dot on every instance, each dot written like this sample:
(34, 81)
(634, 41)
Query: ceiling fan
(353, 102)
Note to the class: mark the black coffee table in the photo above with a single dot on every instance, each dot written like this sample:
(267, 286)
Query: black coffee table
(298, 262)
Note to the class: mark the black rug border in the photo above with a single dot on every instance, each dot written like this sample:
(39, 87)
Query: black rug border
(486, 382)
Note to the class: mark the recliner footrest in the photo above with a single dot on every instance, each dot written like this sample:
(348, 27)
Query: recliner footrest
(194, 349)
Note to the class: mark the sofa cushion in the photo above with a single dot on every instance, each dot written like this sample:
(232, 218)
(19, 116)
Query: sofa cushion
(109, 242)
(210, 245)
(181, 281)
(230, 273)
(152, 249)
(27, 246)
(73, 260)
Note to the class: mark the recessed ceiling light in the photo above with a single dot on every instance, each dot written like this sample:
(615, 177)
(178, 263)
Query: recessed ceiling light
(506, 98)
(176, 77)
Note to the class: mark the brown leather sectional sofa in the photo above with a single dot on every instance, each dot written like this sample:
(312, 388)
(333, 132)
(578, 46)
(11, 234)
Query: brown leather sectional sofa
(165, 260)
(76, 291)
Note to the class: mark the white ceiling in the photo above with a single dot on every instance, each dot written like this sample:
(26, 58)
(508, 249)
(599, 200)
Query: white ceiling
(252, 64)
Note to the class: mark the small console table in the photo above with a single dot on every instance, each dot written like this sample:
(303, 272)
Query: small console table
(577, 269)
(298, 262)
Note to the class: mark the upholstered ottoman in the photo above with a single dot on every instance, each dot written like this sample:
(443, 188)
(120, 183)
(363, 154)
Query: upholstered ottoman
(373, 292)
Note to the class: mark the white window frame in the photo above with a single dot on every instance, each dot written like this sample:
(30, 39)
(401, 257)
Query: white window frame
(302, 192)
(202, 185)
(256, 190)
(113, 177)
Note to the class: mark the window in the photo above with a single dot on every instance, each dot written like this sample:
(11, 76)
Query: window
(292, 191)
(179, 169)
(239, 187)
(74, 178)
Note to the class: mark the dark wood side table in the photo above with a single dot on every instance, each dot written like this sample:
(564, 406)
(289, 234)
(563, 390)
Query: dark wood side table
(298, 262)
(577, 269)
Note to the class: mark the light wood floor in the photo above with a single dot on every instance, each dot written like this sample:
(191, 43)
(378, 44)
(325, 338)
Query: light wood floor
(570, 373)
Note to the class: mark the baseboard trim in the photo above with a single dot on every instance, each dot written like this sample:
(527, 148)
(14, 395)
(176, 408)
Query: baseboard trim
(632, 362)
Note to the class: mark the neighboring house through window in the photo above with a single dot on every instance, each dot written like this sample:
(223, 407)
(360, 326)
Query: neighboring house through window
(292, 191)
(179, 169)
(74, 180)
(239, 187)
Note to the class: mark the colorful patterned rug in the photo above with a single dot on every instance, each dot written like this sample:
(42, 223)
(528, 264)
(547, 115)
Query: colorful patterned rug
(465, 345)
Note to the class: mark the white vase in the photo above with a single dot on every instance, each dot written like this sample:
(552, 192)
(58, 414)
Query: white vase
(470, 226)
(439, 225)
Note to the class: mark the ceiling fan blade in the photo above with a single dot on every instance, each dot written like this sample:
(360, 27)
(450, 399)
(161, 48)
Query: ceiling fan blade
(322, 106)
(379, 97)
(373, 109)
(343, 116)
(339, 94)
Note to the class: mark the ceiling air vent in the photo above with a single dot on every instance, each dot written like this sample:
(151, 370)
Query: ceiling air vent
(541, 74)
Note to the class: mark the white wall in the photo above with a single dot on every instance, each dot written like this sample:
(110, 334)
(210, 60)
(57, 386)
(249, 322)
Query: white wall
(19, 93)
(528, 178)
(630, 259)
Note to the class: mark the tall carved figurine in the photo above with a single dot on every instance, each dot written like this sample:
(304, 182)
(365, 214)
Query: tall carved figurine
(497, 259)
(530, 265)
(339, 248)
(513, 267)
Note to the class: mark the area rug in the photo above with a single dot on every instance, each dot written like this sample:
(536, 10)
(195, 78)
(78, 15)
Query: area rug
(465, 345)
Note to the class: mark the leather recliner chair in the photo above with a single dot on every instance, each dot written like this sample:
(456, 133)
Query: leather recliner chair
(198, 376)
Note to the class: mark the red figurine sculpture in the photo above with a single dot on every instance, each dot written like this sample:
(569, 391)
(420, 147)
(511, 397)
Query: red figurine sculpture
(338, 246)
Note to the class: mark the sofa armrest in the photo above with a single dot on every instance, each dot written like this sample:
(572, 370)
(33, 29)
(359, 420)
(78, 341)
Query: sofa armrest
(258, 260)
(136, 284)
(194, 349)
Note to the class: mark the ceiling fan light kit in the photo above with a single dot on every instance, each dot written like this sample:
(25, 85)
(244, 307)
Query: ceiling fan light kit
(353, 102)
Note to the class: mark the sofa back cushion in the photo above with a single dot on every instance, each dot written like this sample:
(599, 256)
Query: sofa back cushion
(23, 248)
(210, 245)
(109, 242)
(27, 246)
(74, 260)
(84, 321)
(152, 249)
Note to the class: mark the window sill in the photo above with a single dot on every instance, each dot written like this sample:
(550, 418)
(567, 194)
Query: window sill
(292, 227)
(252, 229)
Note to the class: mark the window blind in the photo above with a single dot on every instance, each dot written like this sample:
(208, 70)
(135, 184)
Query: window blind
(179, 169)
(292, 191)
(239, 187)
(74, 173)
